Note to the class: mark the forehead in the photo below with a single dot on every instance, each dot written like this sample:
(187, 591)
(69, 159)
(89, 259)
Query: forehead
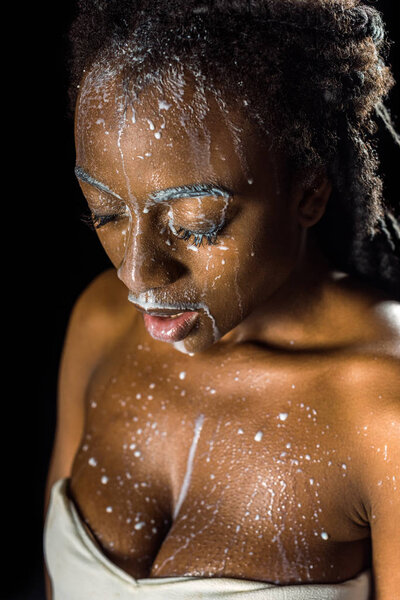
(177, 131)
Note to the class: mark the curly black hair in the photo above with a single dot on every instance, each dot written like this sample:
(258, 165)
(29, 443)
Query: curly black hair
(311, 73)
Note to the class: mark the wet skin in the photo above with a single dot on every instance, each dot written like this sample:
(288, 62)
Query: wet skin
(250, 449)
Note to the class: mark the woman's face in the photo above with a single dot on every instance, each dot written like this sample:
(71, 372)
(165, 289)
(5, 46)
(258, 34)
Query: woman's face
(193, 209)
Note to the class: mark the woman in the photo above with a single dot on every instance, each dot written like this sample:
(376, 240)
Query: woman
(228, 417)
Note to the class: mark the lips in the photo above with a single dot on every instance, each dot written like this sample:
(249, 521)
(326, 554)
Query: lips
(167, 326)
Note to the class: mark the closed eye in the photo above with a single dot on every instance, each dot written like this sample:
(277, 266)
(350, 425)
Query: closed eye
(95, 221)
(186, 234)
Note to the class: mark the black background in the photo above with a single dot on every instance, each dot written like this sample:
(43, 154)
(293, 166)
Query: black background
(50, 259)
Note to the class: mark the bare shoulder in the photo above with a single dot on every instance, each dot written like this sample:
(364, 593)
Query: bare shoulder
(367, 385)
(369, 368)
(103, 305)
(365, 377)
(99, 317)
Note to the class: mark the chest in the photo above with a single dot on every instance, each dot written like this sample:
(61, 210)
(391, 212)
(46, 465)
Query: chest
(218, 470)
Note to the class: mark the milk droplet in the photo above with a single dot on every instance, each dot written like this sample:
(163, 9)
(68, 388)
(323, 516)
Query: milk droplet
(109, 509)
(283, 416)
(324, 535)
(258, 437)
(182, 375)
(92, 462)
(104, 479)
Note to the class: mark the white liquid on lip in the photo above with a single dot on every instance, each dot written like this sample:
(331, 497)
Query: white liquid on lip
(147, 301)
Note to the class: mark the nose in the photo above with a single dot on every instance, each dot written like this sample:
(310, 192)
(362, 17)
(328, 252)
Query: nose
(146, 265)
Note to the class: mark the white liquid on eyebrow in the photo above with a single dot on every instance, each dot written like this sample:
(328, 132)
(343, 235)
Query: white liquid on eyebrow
(189, 466)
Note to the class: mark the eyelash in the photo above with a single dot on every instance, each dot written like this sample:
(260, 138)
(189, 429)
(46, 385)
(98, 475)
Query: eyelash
(186, 234)
(96, 221)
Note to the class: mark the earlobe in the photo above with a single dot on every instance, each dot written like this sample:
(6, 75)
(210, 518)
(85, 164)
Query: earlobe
(313, 202)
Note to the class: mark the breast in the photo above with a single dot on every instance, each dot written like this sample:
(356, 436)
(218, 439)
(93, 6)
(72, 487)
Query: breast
(214, 481)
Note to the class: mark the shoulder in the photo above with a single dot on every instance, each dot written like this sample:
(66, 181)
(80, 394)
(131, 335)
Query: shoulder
(365, 380)
(100, 316)
(367, 384)
(103, 303)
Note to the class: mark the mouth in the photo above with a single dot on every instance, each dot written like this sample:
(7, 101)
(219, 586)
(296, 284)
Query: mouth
(171, 328)
(168, 325)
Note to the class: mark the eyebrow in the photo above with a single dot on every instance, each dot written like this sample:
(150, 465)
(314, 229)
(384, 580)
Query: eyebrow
(83, 176)
(183, 191)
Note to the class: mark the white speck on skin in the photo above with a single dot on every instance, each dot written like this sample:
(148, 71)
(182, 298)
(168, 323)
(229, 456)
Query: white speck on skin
(258, 437)
(157, 135)
(163, 105)
(240, 431)
(324, 535)
(283, 416)
(344, 466)
(140, 525)
(109, 509)
(104, 479)
(137, 453)
(92, 462)
(311, 481)
(182, 375)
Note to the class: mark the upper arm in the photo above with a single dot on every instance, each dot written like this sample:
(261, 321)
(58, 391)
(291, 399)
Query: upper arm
(97, 318)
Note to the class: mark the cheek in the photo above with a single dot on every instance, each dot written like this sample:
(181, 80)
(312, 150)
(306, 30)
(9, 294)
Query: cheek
(114, 238)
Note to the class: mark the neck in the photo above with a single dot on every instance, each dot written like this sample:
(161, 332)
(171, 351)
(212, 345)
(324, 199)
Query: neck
(295, 315)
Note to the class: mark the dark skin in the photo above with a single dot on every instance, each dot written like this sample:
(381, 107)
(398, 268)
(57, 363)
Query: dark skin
(270, 453)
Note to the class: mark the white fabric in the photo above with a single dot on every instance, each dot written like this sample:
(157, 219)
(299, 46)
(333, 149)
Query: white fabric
(80, 571)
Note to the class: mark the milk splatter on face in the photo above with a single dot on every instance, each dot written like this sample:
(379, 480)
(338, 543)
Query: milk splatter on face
(219, 253)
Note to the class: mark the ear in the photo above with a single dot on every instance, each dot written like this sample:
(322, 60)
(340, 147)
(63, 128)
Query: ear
(312, 199)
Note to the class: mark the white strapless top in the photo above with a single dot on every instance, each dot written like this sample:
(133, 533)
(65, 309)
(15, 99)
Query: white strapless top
(80, 571)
